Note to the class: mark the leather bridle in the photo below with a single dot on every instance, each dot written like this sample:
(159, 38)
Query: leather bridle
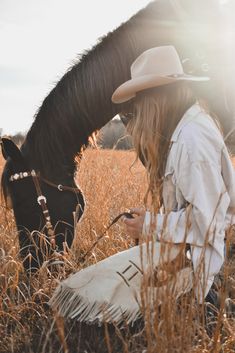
(41, 199)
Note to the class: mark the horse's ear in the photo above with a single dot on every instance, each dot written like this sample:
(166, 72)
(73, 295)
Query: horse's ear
(9, 149)
(3, 151)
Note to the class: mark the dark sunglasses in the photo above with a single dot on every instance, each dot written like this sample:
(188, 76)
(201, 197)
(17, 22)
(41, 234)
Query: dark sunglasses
(126, 118)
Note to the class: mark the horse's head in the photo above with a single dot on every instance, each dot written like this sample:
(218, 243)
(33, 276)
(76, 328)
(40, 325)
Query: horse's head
(22, 194)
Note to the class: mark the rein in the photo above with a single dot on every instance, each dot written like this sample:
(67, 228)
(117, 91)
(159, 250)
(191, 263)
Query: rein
(125, 214)
(41, 199)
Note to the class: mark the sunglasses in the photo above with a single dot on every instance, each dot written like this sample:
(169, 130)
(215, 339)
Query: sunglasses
(126, 118)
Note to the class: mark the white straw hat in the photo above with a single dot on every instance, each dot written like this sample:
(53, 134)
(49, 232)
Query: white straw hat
(154, 67)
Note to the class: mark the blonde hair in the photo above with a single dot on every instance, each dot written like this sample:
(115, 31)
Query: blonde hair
(156, 112)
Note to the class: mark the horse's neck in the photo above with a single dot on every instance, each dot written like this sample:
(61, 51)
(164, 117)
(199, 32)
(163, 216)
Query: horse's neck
(60, 173)
(81, 101)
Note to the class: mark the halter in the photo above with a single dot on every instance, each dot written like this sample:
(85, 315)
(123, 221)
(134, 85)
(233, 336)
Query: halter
(41, 199)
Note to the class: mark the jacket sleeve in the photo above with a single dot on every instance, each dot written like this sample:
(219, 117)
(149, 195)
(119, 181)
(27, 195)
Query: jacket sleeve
(203, 225)
(203, 221)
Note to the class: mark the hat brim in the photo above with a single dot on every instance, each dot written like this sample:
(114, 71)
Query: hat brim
(129, 88)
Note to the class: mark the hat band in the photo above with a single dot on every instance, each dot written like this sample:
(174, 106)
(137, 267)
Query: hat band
(176, 75)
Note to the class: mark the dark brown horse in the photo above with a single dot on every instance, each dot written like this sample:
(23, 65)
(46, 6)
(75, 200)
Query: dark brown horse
(80, 103)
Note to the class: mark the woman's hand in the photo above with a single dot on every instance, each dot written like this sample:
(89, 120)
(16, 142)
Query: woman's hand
(134, 226)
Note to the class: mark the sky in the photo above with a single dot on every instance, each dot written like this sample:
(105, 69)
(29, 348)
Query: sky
(40, 39)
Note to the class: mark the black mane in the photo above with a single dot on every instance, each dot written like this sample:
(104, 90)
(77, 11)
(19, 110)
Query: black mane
(80, 103)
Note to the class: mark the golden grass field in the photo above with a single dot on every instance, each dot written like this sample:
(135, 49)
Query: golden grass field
(110, 186)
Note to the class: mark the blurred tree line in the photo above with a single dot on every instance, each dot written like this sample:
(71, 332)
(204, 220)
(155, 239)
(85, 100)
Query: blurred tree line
(114, 136)
(18, 138)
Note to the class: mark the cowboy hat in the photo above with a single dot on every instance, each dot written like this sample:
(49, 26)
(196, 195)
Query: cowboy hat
(154, 67)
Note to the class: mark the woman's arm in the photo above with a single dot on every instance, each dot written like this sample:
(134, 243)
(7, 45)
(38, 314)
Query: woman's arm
(204, 220)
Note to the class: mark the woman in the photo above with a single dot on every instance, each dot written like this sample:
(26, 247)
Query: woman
(190, 174)
(192, 193)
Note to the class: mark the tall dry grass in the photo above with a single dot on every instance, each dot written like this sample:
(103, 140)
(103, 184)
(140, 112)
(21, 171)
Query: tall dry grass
(27, 323)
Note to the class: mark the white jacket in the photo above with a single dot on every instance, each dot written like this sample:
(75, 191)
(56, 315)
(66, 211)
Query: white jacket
(199, 173)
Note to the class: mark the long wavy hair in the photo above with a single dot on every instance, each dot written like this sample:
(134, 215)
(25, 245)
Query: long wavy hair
(156, 113)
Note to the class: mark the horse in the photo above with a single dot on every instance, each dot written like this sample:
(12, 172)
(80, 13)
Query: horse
(39, 178)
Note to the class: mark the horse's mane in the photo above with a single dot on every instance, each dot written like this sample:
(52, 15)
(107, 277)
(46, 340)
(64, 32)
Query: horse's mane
(80, 103)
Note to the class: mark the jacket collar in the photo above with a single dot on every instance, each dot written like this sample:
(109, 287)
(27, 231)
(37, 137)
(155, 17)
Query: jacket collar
(188, 116)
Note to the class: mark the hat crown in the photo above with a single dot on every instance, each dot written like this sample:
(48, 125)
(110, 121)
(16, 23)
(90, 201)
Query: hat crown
(160, 61)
